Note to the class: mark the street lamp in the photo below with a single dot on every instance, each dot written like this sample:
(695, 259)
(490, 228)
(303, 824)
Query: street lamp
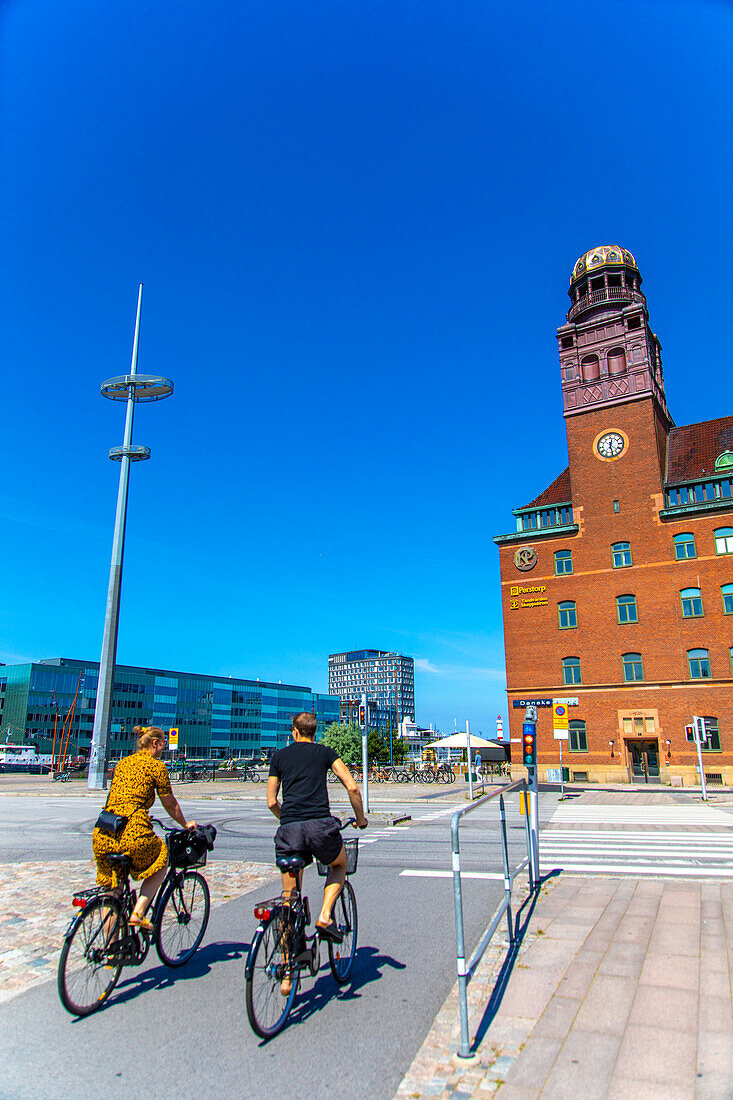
(131, 388)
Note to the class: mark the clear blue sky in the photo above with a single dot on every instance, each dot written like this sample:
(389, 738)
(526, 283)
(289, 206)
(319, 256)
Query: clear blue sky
(355, 224)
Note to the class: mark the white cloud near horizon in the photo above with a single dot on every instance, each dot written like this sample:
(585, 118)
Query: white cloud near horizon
(459, 672)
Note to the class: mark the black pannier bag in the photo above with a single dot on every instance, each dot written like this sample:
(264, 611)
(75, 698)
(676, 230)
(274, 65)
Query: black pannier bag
(188, 847)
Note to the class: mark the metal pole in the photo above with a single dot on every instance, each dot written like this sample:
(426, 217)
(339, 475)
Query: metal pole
(562, 774)
(698, 725)
(470, 764)
(98, 760)
(465, 1051)
(507, 876)
(364, 757)
(530, 862)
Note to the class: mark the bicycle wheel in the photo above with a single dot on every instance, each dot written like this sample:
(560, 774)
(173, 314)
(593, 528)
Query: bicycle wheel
(341, 955)
(182, 918)
(270, 960)
(85, 977)
(254, 777)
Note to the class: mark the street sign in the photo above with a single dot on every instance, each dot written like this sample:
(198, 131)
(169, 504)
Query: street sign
(559, 715)
(531, 702)
(173, 737)
(561, 735)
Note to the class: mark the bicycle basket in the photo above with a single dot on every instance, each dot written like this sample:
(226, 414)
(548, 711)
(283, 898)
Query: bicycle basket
(352, 858)
(186, 849)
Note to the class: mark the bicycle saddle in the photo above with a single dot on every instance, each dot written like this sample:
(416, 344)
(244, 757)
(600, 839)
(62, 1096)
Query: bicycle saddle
(123, 861)
(290, 863)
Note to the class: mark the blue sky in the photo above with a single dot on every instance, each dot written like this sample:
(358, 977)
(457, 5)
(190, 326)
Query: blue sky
(355, 224)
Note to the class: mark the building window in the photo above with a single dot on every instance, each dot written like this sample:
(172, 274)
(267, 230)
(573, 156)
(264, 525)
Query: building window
(691, 603)
(621, 554)
(727, 591)
(712, 741)
(617, 505)
(632, 666)
(684, 546)
(571, 670)
(577, 737)
(724, 540)
(567, 615)
(699, 660)
(563, 562)
(626, 609)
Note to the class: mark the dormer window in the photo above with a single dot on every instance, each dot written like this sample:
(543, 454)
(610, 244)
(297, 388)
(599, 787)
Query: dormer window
(724, 461)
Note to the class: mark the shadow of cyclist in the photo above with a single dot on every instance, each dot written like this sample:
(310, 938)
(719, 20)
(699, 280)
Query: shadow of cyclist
(163, 977)
(368, 966)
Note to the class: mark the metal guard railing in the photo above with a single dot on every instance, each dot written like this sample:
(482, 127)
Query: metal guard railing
(466, 972)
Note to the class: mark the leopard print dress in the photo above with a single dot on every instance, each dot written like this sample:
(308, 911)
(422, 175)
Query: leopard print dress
(135, 782)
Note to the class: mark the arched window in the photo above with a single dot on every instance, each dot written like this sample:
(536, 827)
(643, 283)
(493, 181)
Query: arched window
(724, 540)
(699, 661)
(591, 368)
(727, 592)
(724, 461)
(616, 361)
(626, 609)
(577, 736)
(621, 554)
(571, 670)
(632, 666)
(684, 546)
(567, 615)
(691, 603)
(563, 562)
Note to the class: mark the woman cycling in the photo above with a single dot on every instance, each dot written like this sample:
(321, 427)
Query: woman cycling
(135, 782)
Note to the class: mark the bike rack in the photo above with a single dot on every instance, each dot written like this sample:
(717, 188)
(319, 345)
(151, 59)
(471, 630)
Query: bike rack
(465, 973)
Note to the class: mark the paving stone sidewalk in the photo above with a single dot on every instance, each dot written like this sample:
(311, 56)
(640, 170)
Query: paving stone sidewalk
(620, 988)
(36, 910)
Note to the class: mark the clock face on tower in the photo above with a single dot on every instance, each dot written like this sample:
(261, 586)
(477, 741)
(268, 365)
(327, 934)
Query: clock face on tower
(610, 445)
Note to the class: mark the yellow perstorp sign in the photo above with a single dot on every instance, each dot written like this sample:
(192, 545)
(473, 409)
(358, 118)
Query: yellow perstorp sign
(559, 715)
(173, 738)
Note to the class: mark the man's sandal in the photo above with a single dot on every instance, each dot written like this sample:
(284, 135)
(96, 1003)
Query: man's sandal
(330, 932)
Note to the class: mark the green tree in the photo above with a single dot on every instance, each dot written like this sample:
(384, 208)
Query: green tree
(376, 747)
(345, 740)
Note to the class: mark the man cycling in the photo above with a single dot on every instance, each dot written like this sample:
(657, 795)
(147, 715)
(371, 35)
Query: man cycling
(307, 827)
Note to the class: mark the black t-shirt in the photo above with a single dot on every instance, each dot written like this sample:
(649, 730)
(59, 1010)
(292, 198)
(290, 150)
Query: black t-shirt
(302, 768)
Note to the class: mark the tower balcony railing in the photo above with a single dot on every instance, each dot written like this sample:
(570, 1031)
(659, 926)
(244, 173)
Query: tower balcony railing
(605, 294)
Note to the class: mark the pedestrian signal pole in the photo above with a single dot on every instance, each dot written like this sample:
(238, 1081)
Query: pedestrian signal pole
(529, 759)
(700, 734)
(364, 723)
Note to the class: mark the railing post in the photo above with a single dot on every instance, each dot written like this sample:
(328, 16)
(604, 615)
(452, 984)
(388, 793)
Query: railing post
(507, 875)
(465, 1051)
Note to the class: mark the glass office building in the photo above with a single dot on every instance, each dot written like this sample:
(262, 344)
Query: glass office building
(216, 716)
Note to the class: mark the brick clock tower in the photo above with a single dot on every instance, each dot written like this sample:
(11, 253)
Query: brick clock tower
(617, 585)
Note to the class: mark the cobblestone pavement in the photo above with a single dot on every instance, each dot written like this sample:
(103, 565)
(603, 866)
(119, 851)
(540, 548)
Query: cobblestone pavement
(36, 910)
(620, 988)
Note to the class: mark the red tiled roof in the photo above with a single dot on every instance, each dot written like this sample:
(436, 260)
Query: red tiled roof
(557, 493)
(693, 448)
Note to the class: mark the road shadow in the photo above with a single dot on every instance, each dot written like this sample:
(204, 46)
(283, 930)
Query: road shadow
(162, 977)
(368, 966)
(522, 918)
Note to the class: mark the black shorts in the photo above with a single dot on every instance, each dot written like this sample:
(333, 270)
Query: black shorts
(319, 837)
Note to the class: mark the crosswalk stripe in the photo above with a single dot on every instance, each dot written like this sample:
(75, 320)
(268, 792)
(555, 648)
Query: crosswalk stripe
(651, 834)
(639, 815)
(449, 874)
(638, 870)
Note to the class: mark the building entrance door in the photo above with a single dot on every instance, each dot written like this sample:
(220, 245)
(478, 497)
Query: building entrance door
(644, 757)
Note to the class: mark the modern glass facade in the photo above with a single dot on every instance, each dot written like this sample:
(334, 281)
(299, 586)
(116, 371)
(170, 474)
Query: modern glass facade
(215, 715)
(387, 679)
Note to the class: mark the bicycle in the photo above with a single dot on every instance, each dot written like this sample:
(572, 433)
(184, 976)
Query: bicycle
(283, 949)
(249, 775)
(61, 777)
(99, 940)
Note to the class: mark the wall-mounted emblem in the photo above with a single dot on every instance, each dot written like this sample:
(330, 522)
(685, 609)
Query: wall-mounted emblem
(525, 558)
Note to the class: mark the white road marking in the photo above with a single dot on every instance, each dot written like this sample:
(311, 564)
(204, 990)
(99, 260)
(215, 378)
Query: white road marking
(449, 874)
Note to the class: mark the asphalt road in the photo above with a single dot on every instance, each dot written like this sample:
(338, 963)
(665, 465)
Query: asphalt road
(185, 1033)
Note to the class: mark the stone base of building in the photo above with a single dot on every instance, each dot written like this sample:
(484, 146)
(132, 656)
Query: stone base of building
(680, 776)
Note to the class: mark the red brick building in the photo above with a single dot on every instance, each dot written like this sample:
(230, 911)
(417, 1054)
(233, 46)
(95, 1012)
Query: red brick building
(617, 585)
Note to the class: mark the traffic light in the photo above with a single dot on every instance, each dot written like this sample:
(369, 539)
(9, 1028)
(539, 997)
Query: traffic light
(690, 733)
(529, 744)
(362, 716)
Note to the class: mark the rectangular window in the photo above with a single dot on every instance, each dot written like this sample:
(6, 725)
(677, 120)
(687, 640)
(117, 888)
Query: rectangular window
(567, 615)
(577, 737)
(649, 723)
(712, 742)
(638, 725)
(563, 562)
(626, 609)
(628, 725)
(621, 555)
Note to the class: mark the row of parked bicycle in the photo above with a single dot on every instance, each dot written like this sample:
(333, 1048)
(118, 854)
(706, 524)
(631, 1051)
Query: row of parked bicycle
(202, 773)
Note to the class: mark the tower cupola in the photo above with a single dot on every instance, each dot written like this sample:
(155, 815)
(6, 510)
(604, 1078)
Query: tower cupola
(608, 352)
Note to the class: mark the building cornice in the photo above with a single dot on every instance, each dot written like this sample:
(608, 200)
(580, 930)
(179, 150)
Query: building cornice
(540, 533)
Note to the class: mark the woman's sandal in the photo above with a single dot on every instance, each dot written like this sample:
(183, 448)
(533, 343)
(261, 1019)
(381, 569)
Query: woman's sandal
(141, 922)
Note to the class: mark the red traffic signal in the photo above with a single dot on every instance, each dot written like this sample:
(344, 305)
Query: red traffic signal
(362, 716)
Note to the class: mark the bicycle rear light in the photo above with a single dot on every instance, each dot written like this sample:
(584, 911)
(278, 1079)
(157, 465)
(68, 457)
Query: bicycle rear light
(80, 903)
(262, 912)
